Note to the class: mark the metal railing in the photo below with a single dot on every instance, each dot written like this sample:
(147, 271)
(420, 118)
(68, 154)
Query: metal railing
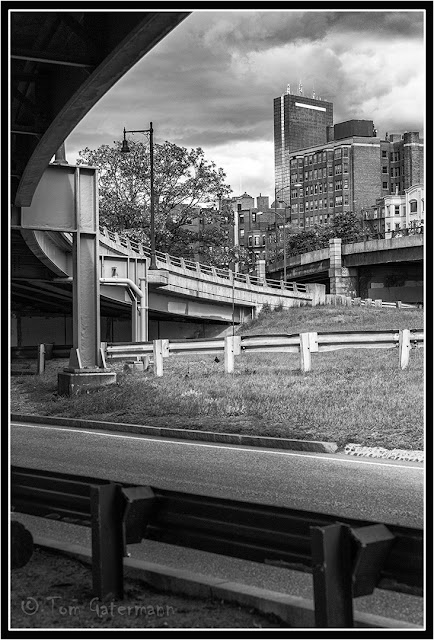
(166, 261)
(348, 557)
(304, 344)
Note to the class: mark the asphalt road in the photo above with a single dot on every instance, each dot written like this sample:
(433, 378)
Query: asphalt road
(387, 491)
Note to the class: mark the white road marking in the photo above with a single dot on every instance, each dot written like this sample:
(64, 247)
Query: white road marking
(218, 446)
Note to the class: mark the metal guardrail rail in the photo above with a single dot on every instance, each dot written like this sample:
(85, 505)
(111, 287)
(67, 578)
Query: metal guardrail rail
(303, 343)
(377, 555)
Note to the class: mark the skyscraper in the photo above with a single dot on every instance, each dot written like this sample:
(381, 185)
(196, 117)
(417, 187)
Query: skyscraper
(299, 122)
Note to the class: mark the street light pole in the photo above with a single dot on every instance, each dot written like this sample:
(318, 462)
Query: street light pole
(125, 149)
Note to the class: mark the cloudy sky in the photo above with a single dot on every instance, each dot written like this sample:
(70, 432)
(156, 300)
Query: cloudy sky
(211, 83)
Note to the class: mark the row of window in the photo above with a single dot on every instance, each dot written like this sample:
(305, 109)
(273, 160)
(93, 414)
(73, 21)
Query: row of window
(317, 174)
(321, 156)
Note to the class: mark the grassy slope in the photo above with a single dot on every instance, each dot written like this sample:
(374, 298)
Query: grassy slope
(358, 395)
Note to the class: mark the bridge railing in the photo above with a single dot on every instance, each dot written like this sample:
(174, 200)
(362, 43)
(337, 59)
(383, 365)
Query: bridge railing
(348, 558)
(304, 344)
(167, 261)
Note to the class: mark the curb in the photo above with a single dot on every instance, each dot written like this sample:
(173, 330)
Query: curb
(185, 434)
(295, 611)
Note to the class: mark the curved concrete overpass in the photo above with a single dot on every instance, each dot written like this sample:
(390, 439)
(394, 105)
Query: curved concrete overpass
(390, 269)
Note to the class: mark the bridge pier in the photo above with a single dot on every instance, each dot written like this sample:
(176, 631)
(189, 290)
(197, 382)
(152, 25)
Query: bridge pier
(343, 280)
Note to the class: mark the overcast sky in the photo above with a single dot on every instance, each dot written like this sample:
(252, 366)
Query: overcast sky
(211, 83)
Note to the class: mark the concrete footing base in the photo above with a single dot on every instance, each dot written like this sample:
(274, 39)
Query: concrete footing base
(72, 383)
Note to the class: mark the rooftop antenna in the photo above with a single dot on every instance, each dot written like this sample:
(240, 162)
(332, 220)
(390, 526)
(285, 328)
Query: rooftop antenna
(300, 88)
(288, 88)
(313, 91)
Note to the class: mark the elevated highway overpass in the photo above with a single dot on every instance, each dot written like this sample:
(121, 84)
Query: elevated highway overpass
(181, 298)
(390, 269)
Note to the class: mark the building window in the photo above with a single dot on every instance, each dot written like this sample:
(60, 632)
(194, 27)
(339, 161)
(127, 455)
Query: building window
(306, 175)
(320, 173)
(345, 152)
(345, 167)
(253, 217)
(338, 201)
(325, 203)
(320, 187)
(338, 169)
(397, 209)
(238, 207)
(330, 171)
(385, 185)
(345, 183)
(338, 152)
(250, 241)
(345, 199)
(385, 169)
(384, 153)
(263, 241)
(320, 203)
(301, 207)
(311, 205)
(330, 186)
(306, 160)
(413, 206)
(315, 188)
(315, 204)
(241, 218)
(396, 225)
(256, 241)
(310, 175)
(311, 190)
(310, 159)
(338, 185)
(325, 187)
(241, 233)
(306, 191)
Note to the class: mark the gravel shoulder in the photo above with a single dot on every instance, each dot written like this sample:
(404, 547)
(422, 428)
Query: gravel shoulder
(55, 591)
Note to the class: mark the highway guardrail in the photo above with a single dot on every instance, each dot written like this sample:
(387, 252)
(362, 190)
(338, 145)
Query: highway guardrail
(348, 558)
(304, 343)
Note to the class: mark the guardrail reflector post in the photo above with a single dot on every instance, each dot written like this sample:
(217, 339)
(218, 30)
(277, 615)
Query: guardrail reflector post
(107, 540)
(139, 503)
(404, 348)
(158, 358)
(305, 360)
(40, 365)
(332, 576)
(229, 354)
(374, 543)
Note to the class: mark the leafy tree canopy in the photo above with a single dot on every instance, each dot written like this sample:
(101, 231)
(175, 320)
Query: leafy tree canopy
(184, 181)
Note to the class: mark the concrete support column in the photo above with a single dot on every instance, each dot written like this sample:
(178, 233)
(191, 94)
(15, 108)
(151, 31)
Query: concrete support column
(343, 280)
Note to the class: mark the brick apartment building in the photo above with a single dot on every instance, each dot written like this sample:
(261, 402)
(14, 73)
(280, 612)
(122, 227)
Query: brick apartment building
(351, 172)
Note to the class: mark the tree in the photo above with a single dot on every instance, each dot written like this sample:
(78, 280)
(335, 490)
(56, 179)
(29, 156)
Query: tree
(346, 226)
(184, 181)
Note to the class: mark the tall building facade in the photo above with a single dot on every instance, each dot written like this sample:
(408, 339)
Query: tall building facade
(351, 172)
(299, 122)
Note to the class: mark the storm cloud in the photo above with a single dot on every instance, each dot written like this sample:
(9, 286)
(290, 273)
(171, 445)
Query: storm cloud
(211, 82)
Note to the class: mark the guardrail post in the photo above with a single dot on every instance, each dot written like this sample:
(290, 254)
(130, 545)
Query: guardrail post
(158, 358)
(357, 302)
(40, 364)
(378, 303)
(404, 348)
(305, 360)
(398, 304)
(107, 540)
(368, 302)
(229, 354)
(332, 576)
(165, 348)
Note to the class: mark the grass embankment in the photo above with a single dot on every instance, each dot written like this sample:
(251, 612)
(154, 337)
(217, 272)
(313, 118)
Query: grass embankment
(355, 395)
